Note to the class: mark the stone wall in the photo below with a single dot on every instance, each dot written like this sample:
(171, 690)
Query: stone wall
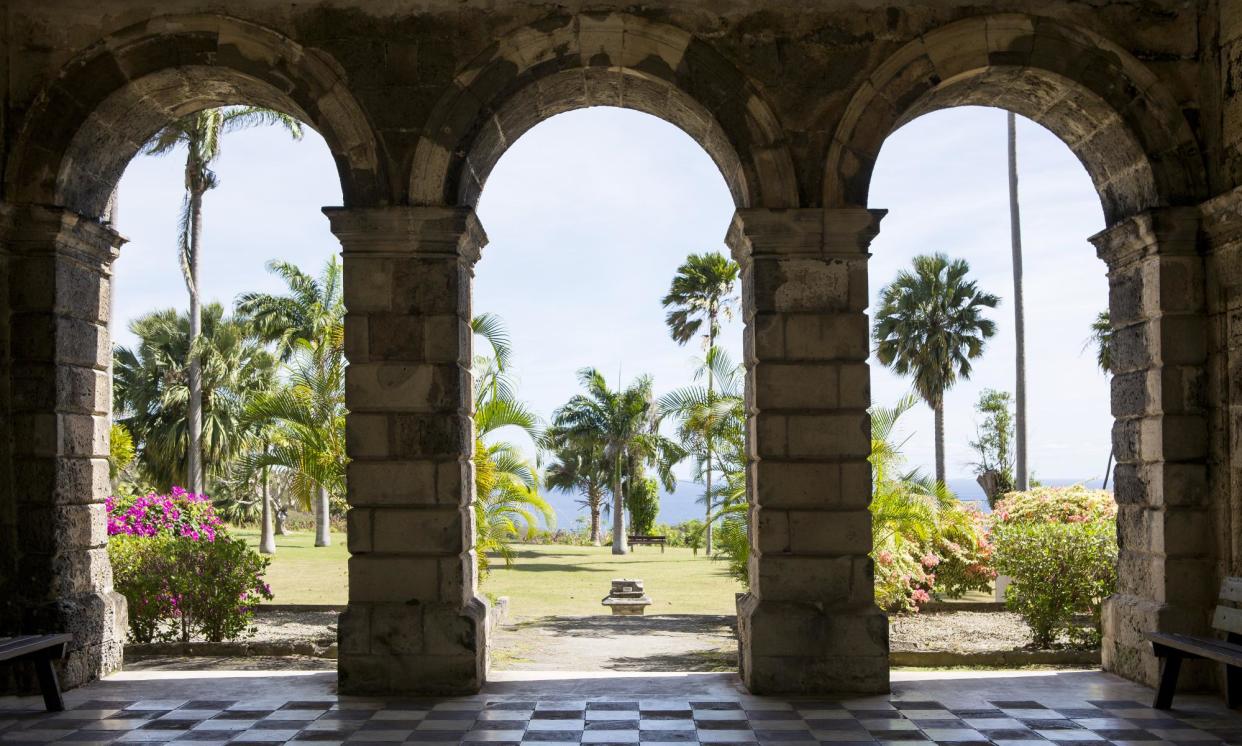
(418, 101)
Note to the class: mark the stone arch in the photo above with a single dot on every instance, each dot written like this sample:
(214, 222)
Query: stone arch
(88, 123)
(571, 62)
(1110, 110)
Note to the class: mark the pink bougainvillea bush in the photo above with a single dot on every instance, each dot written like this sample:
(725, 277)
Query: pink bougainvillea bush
(180, 572)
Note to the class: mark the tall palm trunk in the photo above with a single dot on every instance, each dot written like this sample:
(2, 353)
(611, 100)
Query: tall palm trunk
(707, 431)
(278, 519)
(194, 456)
(593, 499)
(322, 537)
(267, 544)
(938, 407)
(620, 544)
(1019, 311)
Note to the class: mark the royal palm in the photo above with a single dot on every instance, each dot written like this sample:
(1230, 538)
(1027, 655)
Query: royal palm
(929, 326)
(702, 292)
(201, 134)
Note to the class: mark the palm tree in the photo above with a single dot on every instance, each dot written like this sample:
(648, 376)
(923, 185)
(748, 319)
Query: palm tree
(712, 423)
(201, 133)
(1102, 338)
(506, 485)
(930, 326)
(625, 424)
(151, 387)
(310, 316)
(1019, 308)
(579, 467)
(702, 291)
(307, 420)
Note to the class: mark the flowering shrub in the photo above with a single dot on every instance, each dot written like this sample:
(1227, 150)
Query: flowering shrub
(1060, 547)
(179, 570)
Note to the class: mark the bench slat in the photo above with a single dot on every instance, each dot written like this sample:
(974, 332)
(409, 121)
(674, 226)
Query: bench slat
(1231, 590)
(1201, 647)
(1227, 620)
(16, 647)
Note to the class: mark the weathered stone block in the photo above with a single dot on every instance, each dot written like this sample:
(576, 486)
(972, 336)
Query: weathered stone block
(424, 530)
(826, 337)
(829, 435)
(410, 387)
(392, 580)
(391, 483)
(797, 386)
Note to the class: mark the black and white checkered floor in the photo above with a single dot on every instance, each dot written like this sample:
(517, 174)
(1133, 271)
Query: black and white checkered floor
(557, 722)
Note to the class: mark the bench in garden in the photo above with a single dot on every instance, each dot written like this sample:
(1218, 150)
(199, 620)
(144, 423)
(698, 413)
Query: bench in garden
(639, 540)
(42, 651)
(1173, 648)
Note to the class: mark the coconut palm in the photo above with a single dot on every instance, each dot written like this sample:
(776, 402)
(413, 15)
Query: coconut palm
(151, 387)
(930, 326)
(308, 317)
(507, 500)
(1019, 308)
(579, 467)
(625, 423)
(1102, 339)
(311, 310)
(711, 422)
(201, 134)
(701, 292)
(306, 439)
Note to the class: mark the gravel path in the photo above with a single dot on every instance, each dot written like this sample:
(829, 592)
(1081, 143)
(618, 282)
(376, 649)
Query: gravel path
(661, 642)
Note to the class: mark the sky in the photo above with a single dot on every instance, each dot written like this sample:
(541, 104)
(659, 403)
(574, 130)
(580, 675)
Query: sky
(590, 212)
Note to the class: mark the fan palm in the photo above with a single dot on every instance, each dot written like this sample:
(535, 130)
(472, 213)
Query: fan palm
(930, 326)
(309, 317)
(151, 388)
(201, 134)
(625, 424)
(701, 292)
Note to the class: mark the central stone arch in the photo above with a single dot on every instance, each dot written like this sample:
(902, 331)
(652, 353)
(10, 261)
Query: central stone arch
(1139, 150)
(574, 61)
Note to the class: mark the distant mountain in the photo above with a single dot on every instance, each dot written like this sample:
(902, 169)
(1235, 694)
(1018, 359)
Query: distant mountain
(682, 503)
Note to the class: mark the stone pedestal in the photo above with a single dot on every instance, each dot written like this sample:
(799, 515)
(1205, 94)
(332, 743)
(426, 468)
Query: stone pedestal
(415, 622)
(1167, 575)
(53, 527)
(809, 623)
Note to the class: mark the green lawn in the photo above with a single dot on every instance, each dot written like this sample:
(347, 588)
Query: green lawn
(543, 581)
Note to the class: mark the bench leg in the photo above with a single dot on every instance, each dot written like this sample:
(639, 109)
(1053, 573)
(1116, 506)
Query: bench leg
(1233, 686)
(1170, 666)
(48, 683)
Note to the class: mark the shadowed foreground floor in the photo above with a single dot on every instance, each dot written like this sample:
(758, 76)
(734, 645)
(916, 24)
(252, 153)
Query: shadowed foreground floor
(1002, 707)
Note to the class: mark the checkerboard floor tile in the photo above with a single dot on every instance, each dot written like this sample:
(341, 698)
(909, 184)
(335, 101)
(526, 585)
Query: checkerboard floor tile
(501, 722)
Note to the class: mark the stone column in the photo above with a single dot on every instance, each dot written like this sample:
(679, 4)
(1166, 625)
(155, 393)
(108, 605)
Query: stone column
(58, 295)
(1166, 574)
(415, 622)
(809, 623)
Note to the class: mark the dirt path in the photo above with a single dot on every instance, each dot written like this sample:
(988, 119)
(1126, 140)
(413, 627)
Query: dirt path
(675, 642)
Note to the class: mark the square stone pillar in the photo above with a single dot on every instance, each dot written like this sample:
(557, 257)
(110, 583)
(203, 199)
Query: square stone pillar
(415, 622)
(56, 403)
(1167, 579)
(809, 623)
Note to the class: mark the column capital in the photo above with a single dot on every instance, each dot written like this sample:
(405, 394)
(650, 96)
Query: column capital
(1222, 219)
(33, 230)
(443, 232)
(1167, 231)
(835, 233)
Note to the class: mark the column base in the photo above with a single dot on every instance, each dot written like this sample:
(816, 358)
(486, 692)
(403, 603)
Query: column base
(98, 623)
(421, 648)
(1127, 653)
(795, 648)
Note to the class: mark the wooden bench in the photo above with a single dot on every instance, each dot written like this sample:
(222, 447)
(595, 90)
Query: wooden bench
(42, 651)
(1173, 648)
(636, 541)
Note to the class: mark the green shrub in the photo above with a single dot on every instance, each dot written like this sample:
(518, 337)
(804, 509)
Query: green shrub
(218, 583)
(1059, 545)
(139, 572)
(643, 504)
(733, 543)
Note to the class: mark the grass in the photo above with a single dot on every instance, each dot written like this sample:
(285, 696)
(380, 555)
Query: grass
(543, 580)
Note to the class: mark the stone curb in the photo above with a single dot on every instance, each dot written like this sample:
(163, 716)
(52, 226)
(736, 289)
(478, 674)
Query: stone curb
(240, 649)
(993, 658)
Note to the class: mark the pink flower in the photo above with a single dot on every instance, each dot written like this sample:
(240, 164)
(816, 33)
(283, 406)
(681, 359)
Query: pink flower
(920, 596)
(930, 560)
(885, 558)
